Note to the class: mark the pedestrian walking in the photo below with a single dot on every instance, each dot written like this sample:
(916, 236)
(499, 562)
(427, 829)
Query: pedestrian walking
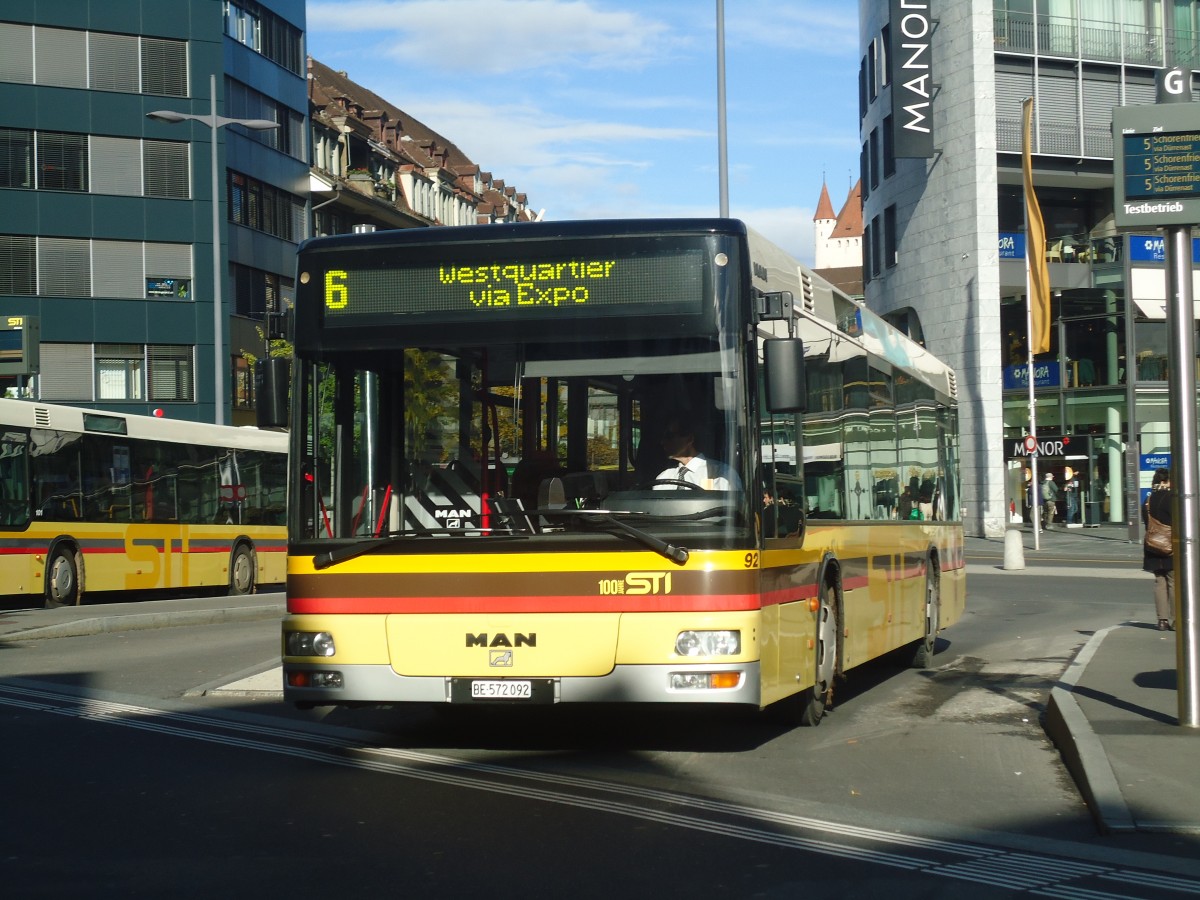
(1049, 499)
(1157, 551)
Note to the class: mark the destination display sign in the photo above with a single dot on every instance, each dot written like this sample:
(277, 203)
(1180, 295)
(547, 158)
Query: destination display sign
(598, 281)
(1156, 165)
(1162, 165)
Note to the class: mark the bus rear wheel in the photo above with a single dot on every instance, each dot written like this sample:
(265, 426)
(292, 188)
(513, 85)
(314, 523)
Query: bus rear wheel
(62, 579)
(241, 572)
(819, 698)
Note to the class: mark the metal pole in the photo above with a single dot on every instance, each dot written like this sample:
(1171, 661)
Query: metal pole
(1035, 510)
(218, 330)
(1185, 478)
(722, 149)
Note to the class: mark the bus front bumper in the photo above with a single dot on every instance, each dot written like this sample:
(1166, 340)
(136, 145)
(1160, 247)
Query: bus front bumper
(309, 684)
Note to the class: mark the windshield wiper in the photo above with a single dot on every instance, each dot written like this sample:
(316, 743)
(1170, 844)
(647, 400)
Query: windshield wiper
(672, 552)
(350, 551)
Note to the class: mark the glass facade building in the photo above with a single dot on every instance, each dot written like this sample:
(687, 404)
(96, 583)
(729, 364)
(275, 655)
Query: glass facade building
(107, 228)
(947, 239)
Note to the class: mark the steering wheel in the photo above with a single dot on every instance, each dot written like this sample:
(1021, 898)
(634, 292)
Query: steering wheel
(674, 482)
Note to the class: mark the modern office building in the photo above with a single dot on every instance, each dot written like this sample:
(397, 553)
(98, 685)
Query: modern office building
(106, 215)
(941, 92)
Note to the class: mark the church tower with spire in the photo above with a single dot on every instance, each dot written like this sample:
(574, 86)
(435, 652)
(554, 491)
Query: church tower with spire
(823, 222)
(838, 254)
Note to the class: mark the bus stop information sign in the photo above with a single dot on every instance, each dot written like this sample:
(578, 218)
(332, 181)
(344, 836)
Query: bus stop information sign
(1156, 164)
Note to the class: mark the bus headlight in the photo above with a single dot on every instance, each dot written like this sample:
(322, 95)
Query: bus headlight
(310, 643)
(708, 643)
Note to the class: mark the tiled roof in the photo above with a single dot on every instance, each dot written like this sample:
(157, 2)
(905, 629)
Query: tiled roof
(334, 84)
(824, 207)
(848, 279)
(849, 221)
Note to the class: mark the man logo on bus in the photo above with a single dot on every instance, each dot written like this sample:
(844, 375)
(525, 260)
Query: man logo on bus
(502, 640)
(454, 518)
(500, 659)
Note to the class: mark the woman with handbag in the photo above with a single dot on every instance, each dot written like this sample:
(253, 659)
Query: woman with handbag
(1157, 551)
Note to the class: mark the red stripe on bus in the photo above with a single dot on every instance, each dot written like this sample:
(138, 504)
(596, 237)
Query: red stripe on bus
(565, 604)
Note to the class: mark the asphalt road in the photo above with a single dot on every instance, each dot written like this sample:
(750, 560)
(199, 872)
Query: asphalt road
(918, 784)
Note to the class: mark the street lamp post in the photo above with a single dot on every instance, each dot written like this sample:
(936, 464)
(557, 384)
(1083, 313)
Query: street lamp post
(215, 122)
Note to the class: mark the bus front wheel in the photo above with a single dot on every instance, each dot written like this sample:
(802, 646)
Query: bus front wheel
(62, 579)
(241, 572)
(820, 697)
(923, 656)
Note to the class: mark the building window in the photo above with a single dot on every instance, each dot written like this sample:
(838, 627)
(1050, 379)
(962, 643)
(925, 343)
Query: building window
(889, 237)
(264, 32)
(264, 207)
(876, 250)
(77, 267)
(170, 373)
(257, 293)
(113, 62)
(873, 70)
(873, 160)
(868, 265)
(164, 67)
(243, 384)
(119, 371)
(115, 166)
(864, 171)
(166, 170)
(129, 167)
(18, 264)
(16, 53)
(16, 158)
(62, 161)
(889, 150)
(101, 61)
(243, 102)
(885, 43)
(64, 267)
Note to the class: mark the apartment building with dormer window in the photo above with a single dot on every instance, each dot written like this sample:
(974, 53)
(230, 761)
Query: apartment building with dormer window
(375, 165)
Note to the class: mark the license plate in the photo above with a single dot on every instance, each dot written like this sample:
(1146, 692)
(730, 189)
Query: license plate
(501, 690)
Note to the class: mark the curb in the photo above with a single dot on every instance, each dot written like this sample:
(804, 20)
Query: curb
(144, 621)
(1082, 752)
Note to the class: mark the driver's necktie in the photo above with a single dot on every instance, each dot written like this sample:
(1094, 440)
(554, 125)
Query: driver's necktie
(682, 475)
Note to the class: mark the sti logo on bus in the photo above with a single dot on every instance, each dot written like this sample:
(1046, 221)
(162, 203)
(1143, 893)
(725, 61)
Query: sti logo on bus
(637, 584)
(516, 639)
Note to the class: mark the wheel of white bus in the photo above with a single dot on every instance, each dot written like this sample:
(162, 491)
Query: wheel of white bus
(241, 572)
(62, 579)
(820, 696)
(923, 656)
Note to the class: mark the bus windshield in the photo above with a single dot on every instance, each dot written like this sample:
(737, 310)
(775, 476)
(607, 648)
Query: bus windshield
(526, 438)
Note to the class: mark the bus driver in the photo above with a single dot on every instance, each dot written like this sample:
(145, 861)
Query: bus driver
(691, 466)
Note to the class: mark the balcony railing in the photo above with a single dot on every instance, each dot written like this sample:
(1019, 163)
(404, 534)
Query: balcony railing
(1085, 39)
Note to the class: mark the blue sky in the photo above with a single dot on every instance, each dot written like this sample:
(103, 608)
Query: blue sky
(602, 108)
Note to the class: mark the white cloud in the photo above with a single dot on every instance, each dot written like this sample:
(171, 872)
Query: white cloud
(504, 137)
(499, 36)
(813, 26)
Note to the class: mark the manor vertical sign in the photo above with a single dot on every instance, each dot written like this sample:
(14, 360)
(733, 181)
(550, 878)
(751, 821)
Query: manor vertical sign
(910, 73)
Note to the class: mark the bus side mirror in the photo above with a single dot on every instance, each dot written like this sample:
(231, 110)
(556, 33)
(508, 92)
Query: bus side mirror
(783, 362)
(272, 376)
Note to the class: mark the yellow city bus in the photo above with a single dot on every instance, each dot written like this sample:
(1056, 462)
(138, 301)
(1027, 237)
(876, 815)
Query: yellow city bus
(488, 506)
(96, 501)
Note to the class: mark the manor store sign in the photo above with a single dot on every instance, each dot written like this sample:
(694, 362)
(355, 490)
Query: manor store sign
(910, 73)
(1047, 448)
